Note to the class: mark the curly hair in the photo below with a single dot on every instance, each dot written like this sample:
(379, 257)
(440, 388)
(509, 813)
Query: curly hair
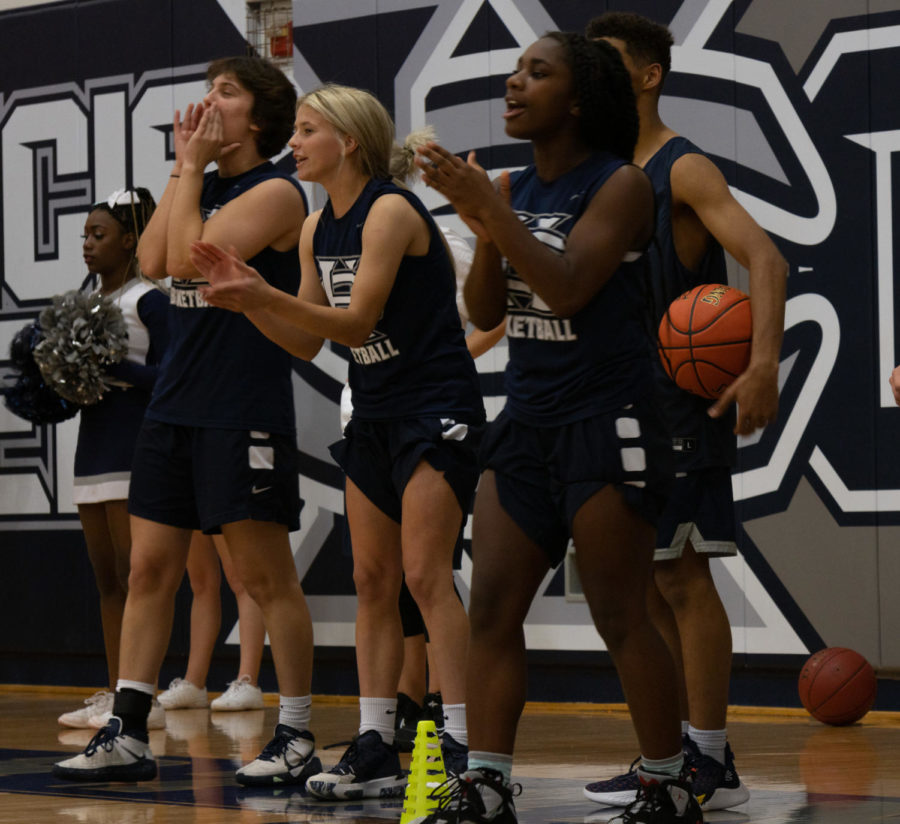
(274, 98)
(608, 113)
(133, 213)
(645, 41)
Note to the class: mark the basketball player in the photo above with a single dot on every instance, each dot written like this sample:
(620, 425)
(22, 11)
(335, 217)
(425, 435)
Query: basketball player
(696, 217)
(217, 450)
(377, 277)
(579, 449)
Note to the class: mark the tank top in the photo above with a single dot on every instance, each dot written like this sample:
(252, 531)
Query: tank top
(220, 370)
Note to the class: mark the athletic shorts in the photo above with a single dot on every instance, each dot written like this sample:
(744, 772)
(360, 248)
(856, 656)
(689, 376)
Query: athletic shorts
(380, 457)
(544, 475)
(200, 478)
(700, 509)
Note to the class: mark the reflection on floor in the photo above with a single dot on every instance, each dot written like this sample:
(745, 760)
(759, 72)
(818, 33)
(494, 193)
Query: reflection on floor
(798, 770)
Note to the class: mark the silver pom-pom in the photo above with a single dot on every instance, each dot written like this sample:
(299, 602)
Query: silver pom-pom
(84, 333)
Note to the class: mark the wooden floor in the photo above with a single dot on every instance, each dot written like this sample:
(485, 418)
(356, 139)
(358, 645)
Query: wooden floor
(798, 770)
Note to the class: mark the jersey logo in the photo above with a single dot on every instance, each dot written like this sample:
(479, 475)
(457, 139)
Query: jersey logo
(337, 275)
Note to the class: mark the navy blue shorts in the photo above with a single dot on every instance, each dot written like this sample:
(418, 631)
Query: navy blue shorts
(200, 478)
(700, 509)
(544, 475)
(380, 457)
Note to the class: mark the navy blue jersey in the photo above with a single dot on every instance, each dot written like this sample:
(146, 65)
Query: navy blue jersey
(563, 370)
(415, 363)
(220, 370)
(699, 440)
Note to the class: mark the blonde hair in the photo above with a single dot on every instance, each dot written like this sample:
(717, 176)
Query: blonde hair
(359, 114)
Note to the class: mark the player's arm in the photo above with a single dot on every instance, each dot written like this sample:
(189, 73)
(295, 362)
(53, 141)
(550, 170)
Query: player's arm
(391, 228)
(894, 381)
(698, 184)
(479, 342)
(618, 219)
(269, 214)
(297, 341)
(151, 249)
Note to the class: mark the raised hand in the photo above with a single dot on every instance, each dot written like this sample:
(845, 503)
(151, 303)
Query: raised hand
(233, 285)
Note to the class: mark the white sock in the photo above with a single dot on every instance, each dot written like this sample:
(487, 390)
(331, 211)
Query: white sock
(685, 726)
(455, 722)
(710, 742)
(294, 711)
(378, 714)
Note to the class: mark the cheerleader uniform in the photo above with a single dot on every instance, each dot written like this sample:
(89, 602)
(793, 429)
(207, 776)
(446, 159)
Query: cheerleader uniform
(701, 507)
(108, 429)
(218, 443)
(579, 413)
(414, 385)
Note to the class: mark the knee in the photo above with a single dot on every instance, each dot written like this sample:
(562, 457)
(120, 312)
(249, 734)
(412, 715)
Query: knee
(376, 584)
(109, 582)
(684, 584)
(149, 577)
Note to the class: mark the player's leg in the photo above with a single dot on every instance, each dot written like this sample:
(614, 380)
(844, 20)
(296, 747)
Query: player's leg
(614, 551)
(370, 767)
(120, 752)
(262, 558)
(432, 519)
(243, 693)
(110, 585)
(206, 619)
(704, 633)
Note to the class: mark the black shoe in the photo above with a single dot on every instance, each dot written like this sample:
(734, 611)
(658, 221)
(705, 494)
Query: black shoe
(717, 786)
(476, 796)
(456, 755)
(406, 722)
(433, 710)
(666, 801)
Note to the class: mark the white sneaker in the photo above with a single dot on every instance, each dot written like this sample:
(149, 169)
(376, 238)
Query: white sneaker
(110, 756)
(183, 695)
(240, 695)
(100, 701)
(155, 721)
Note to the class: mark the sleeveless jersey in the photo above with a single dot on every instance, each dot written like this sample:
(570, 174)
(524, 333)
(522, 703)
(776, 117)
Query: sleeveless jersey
(698, 440)
(415, 363)
(220, 370)
(562, 370)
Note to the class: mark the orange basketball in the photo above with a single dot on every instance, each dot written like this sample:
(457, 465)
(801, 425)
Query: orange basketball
(837, 686)
(704, 338)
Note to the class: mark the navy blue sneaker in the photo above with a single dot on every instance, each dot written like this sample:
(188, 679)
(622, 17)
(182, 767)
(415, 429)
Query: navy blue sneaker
(662, 800)
(368, 769)
(456, 755)
(716, 786)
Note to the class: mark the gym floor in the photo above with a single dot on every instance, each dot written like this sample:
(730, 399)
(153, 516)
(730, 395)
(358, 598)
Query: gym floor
(798, 770)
